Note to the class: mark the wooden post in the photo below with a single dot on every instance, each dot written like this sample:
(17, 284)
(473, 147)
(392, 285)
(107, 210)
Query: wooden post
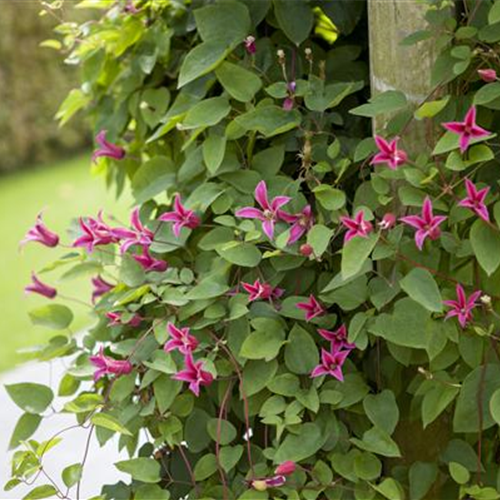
(397, 67)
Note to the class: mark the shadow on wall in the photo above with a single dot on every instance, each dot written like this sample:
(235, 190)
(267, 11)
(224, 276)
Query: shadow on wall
(33, 83)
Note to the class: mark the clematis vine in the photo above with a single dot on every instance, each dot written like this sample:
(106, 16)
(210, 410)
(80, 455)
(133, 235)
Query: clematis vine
(357, 226)
(40, 288)
(180, 340)
(275, 481)
(312, 308)
(116, 319)
(194, 374)
(41, 234)
(389, 154)
(467, 130)
(270, 211)
(331, 363)
(109, 366)
(463, 306)
(181, 217)
(95, 232)
(426, 225)
(301, 223)
(150, 263)
(262, 291)
(249, 44)
(337, 338)
(475, 200)
(100, 287)
(106, 148)
(138, 235)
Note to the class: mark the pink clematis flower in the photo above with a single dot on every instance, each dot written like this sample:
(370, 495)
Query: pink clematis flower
(286, 468)
(264, 483)
(149, 263)
(331, 364)
(180, 339)
(301, 223)
(270, 212)
(487, 75)
(116, 319)
(312, 308)
(338, 338)
(138, 235)
(427, 225)
(181, 217)
(95, 232)
(356, 227)
(389, 154)
(194, 374)
(109, 366)
(475, 200)
(250, 46)
(467, 130)
(262, 291)
(106, 148)
(41, 288)
(41, 234)
(101, 286)
(462, 307)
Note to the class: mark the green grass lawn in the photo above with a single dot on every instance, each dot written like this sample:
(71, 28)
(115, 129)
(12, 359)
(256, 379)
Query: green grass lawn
(63, 190)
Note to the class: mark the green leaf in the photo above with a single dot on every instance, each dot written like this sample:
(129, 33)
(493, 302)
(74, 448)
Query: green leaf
(227, 431)
(26, 426)
(205, 467)
(487, 93)
(295, 18)
(382, 410)
(32, 398)
(240, 83)
(459, 473)
(109, 422)
(329, 197)
(494, 14)
(153, 177)
(240, 253)
(214, 147)
(226, 21)
(207, 289)
(257, 374)
(390, 489)
(355, 253)
(165, 390)
(422, 477)
(146, 470)
(466, 418)
(485, 243)
(202, 59)
(151, 492)
(207, 113)
(495, 406)
(387, 102)
(269, 120)
(72, 474)
(268, 162)
(367, 466)
(301, 353)
(84, 403)
(431, 108)
(420, 285)
(45, 491)
(320, 97)
(74, 102)
(55, 316)
(229, 456)
(377, 441)
(297, 447)
(263, 343)
(436, 400)
(318, 237)
(285, 384)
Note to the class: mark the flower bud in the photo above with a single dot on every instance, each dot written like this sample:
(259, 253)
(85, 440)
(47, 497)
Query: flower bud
(259, 485)
(250, 46)
(387, 222)
(487, 75)
(486, 300)
(306, 250)
(286, 468)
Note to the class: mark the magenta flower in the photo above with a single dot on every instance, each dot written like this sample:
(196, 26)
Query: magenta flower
(389, 154)
(194, 374)
(180, 339)
(116, 319)
(301, 223)
(467, 130)
(250, 46)
(312, 308)
(388, 221)
(41, 288)
(426, 225)
(41, 234)
(270, 213)
(100, 287)
(462, 307)
(109, 366)
(181, 217)
(95, 232)
(286, 468)
(487, 75)
(262, 291)
(264, 483)
(106, 148)
(356, 227)
(475, 200)
(149, 263)
(331, 364)
(138, 235)
(338, 338)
